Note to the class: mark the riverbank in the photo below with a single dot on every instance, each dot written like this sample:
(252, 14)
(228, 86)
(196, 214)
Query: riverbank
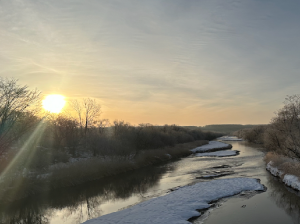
(76, 172)
(286, 169)
(186, 203)
(93, 199)
(212, 146)
(180, 205)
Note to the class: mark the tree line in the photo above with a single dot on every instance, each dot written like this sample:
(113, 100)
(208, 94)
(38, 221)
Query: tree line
(44, 139)
(282, 134)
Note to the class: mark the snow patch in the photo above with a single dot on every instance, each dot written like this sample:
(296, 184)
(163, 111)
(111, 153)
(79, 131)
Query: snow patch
(212, 145)
(74, 160)
(292, 181)
(273, 170)
(180, 205)
(214, 175)
(288, 179)
(222, 153)
(43, 176)
(229, 138)
(169, 156)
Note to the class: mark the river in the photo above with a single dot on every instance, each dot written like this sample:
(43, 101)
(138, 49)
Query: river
(278, 204)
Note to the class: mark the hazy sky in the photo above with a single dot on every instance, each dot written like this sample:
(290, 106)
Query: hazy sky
(188, 62)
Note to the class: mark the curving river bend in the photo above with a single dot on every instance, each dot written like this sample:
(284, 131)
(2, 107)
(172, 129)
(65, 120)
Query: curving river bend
(278, 204)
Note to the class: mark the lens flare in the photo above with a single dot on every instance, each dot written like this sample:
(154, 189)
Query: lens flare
(54, 103)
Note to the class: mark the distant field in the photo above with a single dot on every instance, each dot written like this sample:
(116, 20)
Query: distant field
(223, 128)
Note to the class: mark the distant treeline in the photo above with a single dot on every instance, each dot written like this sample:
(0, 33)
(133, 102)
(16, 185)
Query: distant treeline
(226, 128)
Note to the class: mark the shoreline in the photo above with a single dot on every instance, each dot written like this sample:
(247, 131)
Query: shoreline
(289, 180)
(81, 172)
(181, 205)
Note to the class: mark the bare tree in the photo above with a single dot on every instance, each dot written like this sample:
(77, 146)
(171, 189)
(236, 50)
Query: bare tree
(16, 103)
(286, 126)
(120, 127)
(102, 124)
(88, 111)
(65, 132)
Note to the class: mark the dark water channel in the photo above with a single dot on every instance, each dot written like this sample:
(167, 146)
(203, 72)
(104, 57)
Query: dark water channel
(278, 204)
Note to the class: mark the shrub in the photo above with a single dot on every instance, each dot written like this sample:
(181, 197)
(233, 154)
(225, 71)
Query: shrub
(285, 164)
(283, 134)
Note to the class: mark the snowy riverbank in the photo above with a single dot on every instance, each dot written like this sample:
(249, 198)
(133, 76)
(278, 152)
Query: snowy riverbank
(229, 138)
(288, 179)
(180, 205)
(212, 146)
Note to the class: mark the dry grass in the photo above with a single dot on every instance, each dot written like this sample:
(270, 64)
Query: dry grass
(283, 163)
(95, 168)
(71, 174)
(153, 156)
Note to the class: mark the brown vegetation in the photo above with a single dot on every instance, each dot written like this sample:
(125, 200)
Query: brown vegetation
(96, 168)
(282, 135)
(285, 164)
(70, 174)
(59, 150)
(254, 135)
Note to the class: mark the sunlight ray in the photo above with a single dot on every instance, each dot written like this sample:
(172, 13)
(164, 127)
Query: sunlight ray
(39, 130)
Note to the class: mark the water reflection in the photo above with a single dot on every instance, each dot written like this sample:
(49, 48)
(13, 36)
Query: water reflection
(285, 198)
(77, 204)
(85, 200)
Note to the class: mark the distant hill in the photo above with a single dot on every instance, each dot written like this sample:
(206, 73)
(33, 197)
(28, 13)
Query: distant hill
(226, 128)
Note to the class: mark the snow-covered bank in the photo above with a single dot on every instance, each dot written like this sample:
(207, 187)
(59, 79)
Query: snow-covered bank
(273, 170)
(229, 138)
(212, 146)
(180, 205)
(288, 179)
(222, 153)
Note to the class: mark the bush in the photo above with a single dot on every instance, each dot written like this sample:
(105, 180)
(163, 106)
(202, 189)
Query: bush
(282, 135)
(285, 164)
(254, 135)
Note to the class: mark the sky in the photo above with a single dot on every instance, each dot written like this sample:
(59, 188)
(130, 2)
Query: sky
(185, 62)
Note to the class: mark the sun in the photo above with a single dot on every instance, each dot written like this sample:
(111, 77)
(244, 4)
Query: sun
(54, 103)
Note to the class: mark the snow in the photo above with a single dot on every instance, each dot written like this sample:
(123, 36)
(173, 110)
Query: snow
(212, 145)
(273, 170)
(169, 156)
(43, 176)
(289, 179)
(229, 138)
(222, 153)
(213, 175)
(292, 181)
(180, 205)
(74, 160)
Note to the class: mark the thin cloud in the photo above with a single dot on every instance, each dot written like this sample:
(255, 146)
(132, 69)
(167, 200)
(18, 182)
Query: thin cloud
(197, 56)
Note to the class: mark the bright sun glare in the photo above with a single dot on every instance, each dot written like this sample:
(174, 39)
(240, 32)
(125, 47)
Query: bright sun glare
(54, 103)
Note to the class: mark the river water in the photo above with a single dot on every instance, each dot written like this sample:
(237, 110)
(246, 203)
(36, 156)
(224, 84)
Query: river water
(278, 204)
